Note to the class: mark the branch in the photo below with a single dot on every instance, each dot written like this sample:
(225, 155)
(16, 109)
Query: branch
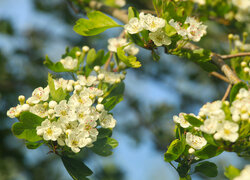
(122, 16)
(227, 92)
(220, 76)
(235, 55)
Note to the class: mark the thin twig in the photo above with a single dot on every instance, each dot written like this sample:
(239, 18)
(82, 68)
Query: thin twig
(227, 92)
(235, 55)
(220, 76)
(108, 61)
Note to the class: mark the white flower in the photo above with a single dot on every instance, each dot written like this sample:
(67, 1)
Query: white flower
(151, 22)
(242, 4)
(52, 104)
(89, 126)
(89, 81)
(39, 94)
(14, 111)
(99, 107)
(39, 110)
(228, 131)
(80, 100)
(69, 63)
(115, 43)
(49, 131)
(210, 126)
(64, 111)
(78, 140)
(120, 3)
(191, 150)
(178, 26)
(82, 112)
(107, 120)
(181, 120)
(201, 2)
(85, 49)
(160, 38)
(111, 77)
(61, 83)
(131, 50)
(244, 174)
(196, 29)
(212, 110)
(67, 126)
(194, 141)
(134, 26)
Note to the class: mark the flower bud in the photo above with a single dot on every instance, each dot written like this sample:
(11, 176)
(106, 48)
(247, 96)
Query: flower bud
(97, 68)
(100, 76)
(78, 53)
(117, 81)
(45, 105)
(52, 104)
(246, 69)
(191, 151)
(245, 34)
(69, 88)
(21, 99)
(230, 36)
(25, 107)
(100, 99)
(85, 48)
(51, 111)
(243, 64)
(112, 64)
(99, 107)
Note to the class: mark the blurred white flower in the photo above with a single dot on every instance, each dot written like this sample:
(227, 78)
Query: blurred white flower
(194, 141)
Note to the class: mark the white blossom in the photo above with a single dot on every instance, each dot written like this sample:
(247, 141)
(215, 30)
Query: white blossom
(69, 63)
(160, 38)
(107, 120)
(14, 111)
(178, 27)
(194, 141)
(134, 26)
(120, 3)
(38, 95)
(39, 110)
(181, 120)
(228, 131)
(49, 130)
(89, 81)
(210, 126)
(64, 111)
(131, 50)
(115, 43)
(151, 22)
(244, 174)
(196, 29)
(112, 77)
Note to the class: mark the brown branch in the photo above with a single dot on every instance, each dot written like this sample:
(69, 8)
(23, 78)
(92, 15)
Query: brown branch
(122, 16)
(227, 92)
(235, 55)
(220, 76)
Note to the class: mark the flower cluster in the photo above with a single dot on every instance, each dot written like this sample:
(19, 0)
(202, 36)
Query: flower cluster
(219, 119)
(114, 43)
(73, 121)
(194, 31)
(243, 12)
(151, 23)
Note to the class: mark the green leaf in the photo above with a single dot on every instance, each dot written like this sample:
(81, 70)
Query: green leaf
(104, 146)
(193, 120)
(26, 128)
(132, 12)
(104, 132)
(96, 24)
(208, 151)
(170, 30)
(56, 67)
(91, 56)
(210, 139)
(130, 61)
(231, 172)
(183, 169)
(58, 94)
(33, 145)
(209, 169)
(71, 53)
(175, 149)
(137, 39)
(76, 168)
(235, 89)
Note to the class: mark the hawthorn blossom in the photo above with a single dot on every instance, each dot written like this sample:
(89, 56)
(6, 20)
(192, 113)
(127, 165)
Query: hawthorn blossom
(134, 26)
(49, 130)
(160, 38)
(38, 95)
(194, 141)
(120, 3)
(228, 131)
(181, 120)
(69, 63)
(178, 27)
(115, 43)
(89, 81)
(107, 120)
(151, 22)
(39, 110)
(244, 174)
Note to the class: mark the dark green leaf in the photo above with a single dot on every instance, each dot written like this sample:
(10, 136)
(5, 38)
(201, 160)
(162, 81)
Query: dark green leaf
(96, 24)
(26, 128)
(104, 132)
(76, 168)
(193, 120)
(208, 151)
(235, 89)
(33, 145)
(209, 169)
(104, 146)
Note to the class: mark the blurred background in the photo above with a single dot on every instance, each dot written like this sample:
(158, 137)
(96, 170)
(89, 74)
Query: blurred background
(30, 29)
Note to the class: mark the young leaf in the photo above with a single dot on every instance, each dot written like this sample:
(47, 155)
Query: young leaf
(193, 120)
(96, 24)
(235, 90)
(56, 67)
(26, 128)
(130, 61)
(76, 168)
(175, 149)
(132, 12)
(170, 30)
(58, 94)
(209, 169)
(231, 172)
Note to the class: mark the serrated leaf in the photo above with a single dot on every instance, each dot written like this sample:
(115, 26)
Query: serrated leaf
(130, 61)
(104, 146)
(175, 149)
(56, 67)
(193, 120)
(235, 89)
(207, 168)
(231, 172)
(26, 128)
(76, 168)
(96, 24)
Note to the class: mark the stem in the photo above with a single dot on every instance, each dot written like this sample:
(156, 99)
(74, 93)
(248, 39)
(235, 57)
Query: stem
(220, 76)
(227, 92)
(108, 61)
(235, 55)
(173, 166)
